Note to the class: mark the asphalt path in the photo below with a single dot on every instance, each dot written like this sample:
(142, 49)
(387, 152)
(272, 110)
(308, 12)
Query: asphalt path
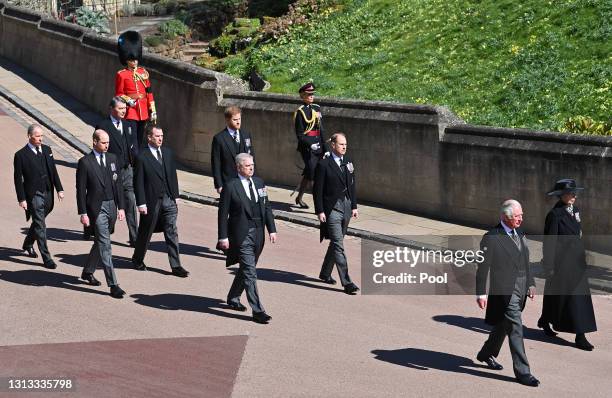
(175, 337)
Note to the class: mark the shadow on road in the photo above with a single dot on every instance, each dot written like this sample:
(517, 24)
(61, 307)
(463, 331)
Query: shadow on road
(185, 302)
(12, 255)
(276, 275)
(47, 278)
(478, 325)
(420, 359)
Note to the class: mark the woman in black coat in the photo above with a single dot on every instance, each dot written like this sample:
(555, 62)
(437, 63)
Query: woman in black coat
(567, 298)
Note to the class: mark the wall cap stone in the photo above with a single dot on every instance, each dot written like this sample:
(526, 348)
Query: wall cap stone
(22, 13)
(62, 27)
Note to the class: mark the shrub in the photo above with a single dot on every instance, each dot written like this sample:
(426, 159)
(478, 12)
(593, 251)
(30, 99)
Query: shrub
(173, 28)
(144, 10)
(154, 41)
(586, 125)
(95, 20)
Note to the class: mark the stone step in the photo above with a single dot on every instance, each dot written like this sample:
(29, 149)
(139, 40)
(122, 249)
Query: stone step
(194, 52)
(199, 44)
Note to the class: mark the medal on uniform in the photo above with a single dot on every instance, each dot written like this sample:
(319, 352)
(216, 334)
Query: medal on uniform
(577, 215)
(262, 192)
(113, 168)
(349, 167)
(114, 176)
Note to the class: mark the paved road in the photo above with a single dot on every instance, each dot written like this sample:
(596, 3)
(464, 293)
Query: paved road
(173, 337)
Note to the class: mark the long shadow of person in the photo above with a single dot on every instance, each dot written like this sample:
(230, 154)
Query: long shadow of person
(478, 325)
(416, 358)
(186, 302)
(79, 260)
(12, 255)
(63, 235)
(293, 278)
(39, 278)
(186, 249)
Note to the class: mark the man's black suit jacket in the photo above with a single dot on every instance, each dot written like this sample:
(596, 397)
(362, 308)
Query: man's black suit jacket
(235, 212)
(90, 183)
(330, 184)
(502, 259)
(27, 175)
(149, 177)
(223, 155)
(129, 137)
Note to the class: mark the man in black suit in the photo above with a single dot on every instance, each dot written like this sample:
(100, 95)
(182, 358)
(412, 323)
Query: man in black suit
(226, 145)
(35, 176)
(335, 203)
(506, 256)
(244, 209)
(124, 144)
(99, 196)
(156, 194)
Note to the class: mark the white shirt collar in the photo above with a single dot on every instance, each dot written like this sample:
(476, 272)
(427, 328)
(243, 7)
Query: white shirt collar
(337, 158)
(507, 228)
(231, 131)
(32, 147)
(245, 184)
(115, 121)
(154, 150)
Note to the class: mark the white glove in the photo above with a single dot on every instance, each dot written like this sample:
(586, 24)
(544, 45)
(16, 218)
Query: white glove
(326, 155)
(131, 102)
(154, 116)
(315, 147)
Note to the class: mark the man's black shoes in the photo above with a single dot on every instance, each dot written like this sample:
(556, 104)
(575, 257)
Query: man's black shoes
(237, 307)
(351, 289)
(528, 380)
(583, 343)
(180, 272)
(89, 278)
(50, 264)
(261, 317)
(490, 361)
(116, 292)
(29, 251)
(139, 266)
(329, 280)
(546, 327)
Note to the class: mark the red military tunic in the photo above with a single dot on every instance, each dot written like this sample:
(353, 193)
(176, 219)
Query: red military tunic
(137, 86)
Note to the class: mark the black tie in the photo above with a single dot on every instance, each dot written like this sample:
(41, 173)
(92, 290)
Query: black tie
(38, 152)
(159, 158)
(253, 202)
(516, 239)
(102, 163)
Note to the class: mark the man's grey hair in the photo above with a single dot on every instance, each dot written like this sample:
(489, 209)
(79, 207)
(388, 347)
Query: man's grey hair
(242, 157)
(116, 101)
(32, 128)
(507, 208)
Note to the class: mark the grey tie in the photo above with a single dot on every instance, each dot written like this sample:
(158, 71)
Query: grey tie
(516, 239)
(102, 162)
(237, 137)
(159, 157)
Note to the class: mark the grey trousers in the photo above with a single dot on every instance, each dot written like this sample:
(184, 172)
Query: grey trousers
(512, 326)
(127, 179)
(246, 276)
(38, 228)
(101, 251)
(337, 224)
(166, 209)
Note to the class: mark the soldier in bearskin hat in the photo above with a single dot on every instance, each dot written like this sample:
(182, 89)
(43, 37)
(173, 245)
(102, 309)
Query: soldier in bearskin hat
(132, 83)
(309, 133)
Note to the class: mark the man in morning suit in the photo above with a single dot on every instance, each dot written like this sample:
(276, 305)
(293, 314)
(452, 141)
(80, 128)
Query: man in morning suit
(124, 144)
(226, 145)
(244, 209)
(506, 257)
(35, 177)
(156, 194)
(335, 204)
(99, 196)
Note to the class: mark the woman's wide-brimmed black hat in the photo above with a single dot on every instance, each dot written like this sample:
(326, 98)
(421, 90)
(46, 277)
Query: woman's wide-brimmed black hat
(566, 185)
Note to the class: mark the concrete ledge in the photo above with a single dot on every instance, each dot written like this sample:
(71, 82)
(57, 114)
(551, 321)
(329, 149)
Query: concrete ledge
(45, 121)
(22, 14)
(91, 39)
(179, 70)
(65, 28)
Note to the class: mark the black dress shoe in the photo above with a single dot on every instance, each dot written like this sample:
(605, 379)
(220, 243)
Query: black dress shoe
(351, 289)
(329, 280)
(546, 327)
(237, 307)
(528, 380)
(50, 264)
(139, 266)
(29, 251)
(490, 361)
(180, 272)
(132, 243)
(116, 292)
(301, 203)
(90, 279)
(583, 343)
(261, 317)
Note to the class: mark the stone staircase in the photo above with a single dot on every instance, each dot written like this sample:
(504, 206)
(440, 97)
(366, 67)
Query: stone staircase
(194, 50)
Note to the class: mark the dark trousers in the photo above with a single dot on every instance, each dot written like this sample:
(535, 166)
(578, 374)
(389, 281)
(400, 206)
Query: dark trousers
(166, 211)
(39, 207)
(101, 251)
(127, 179)
(140, 131)
(511, 326)
(246, 276)
(337, 224)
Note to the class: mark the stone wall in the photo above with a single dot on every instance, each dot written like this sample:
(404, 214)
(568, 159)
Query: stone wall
(418, 159)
